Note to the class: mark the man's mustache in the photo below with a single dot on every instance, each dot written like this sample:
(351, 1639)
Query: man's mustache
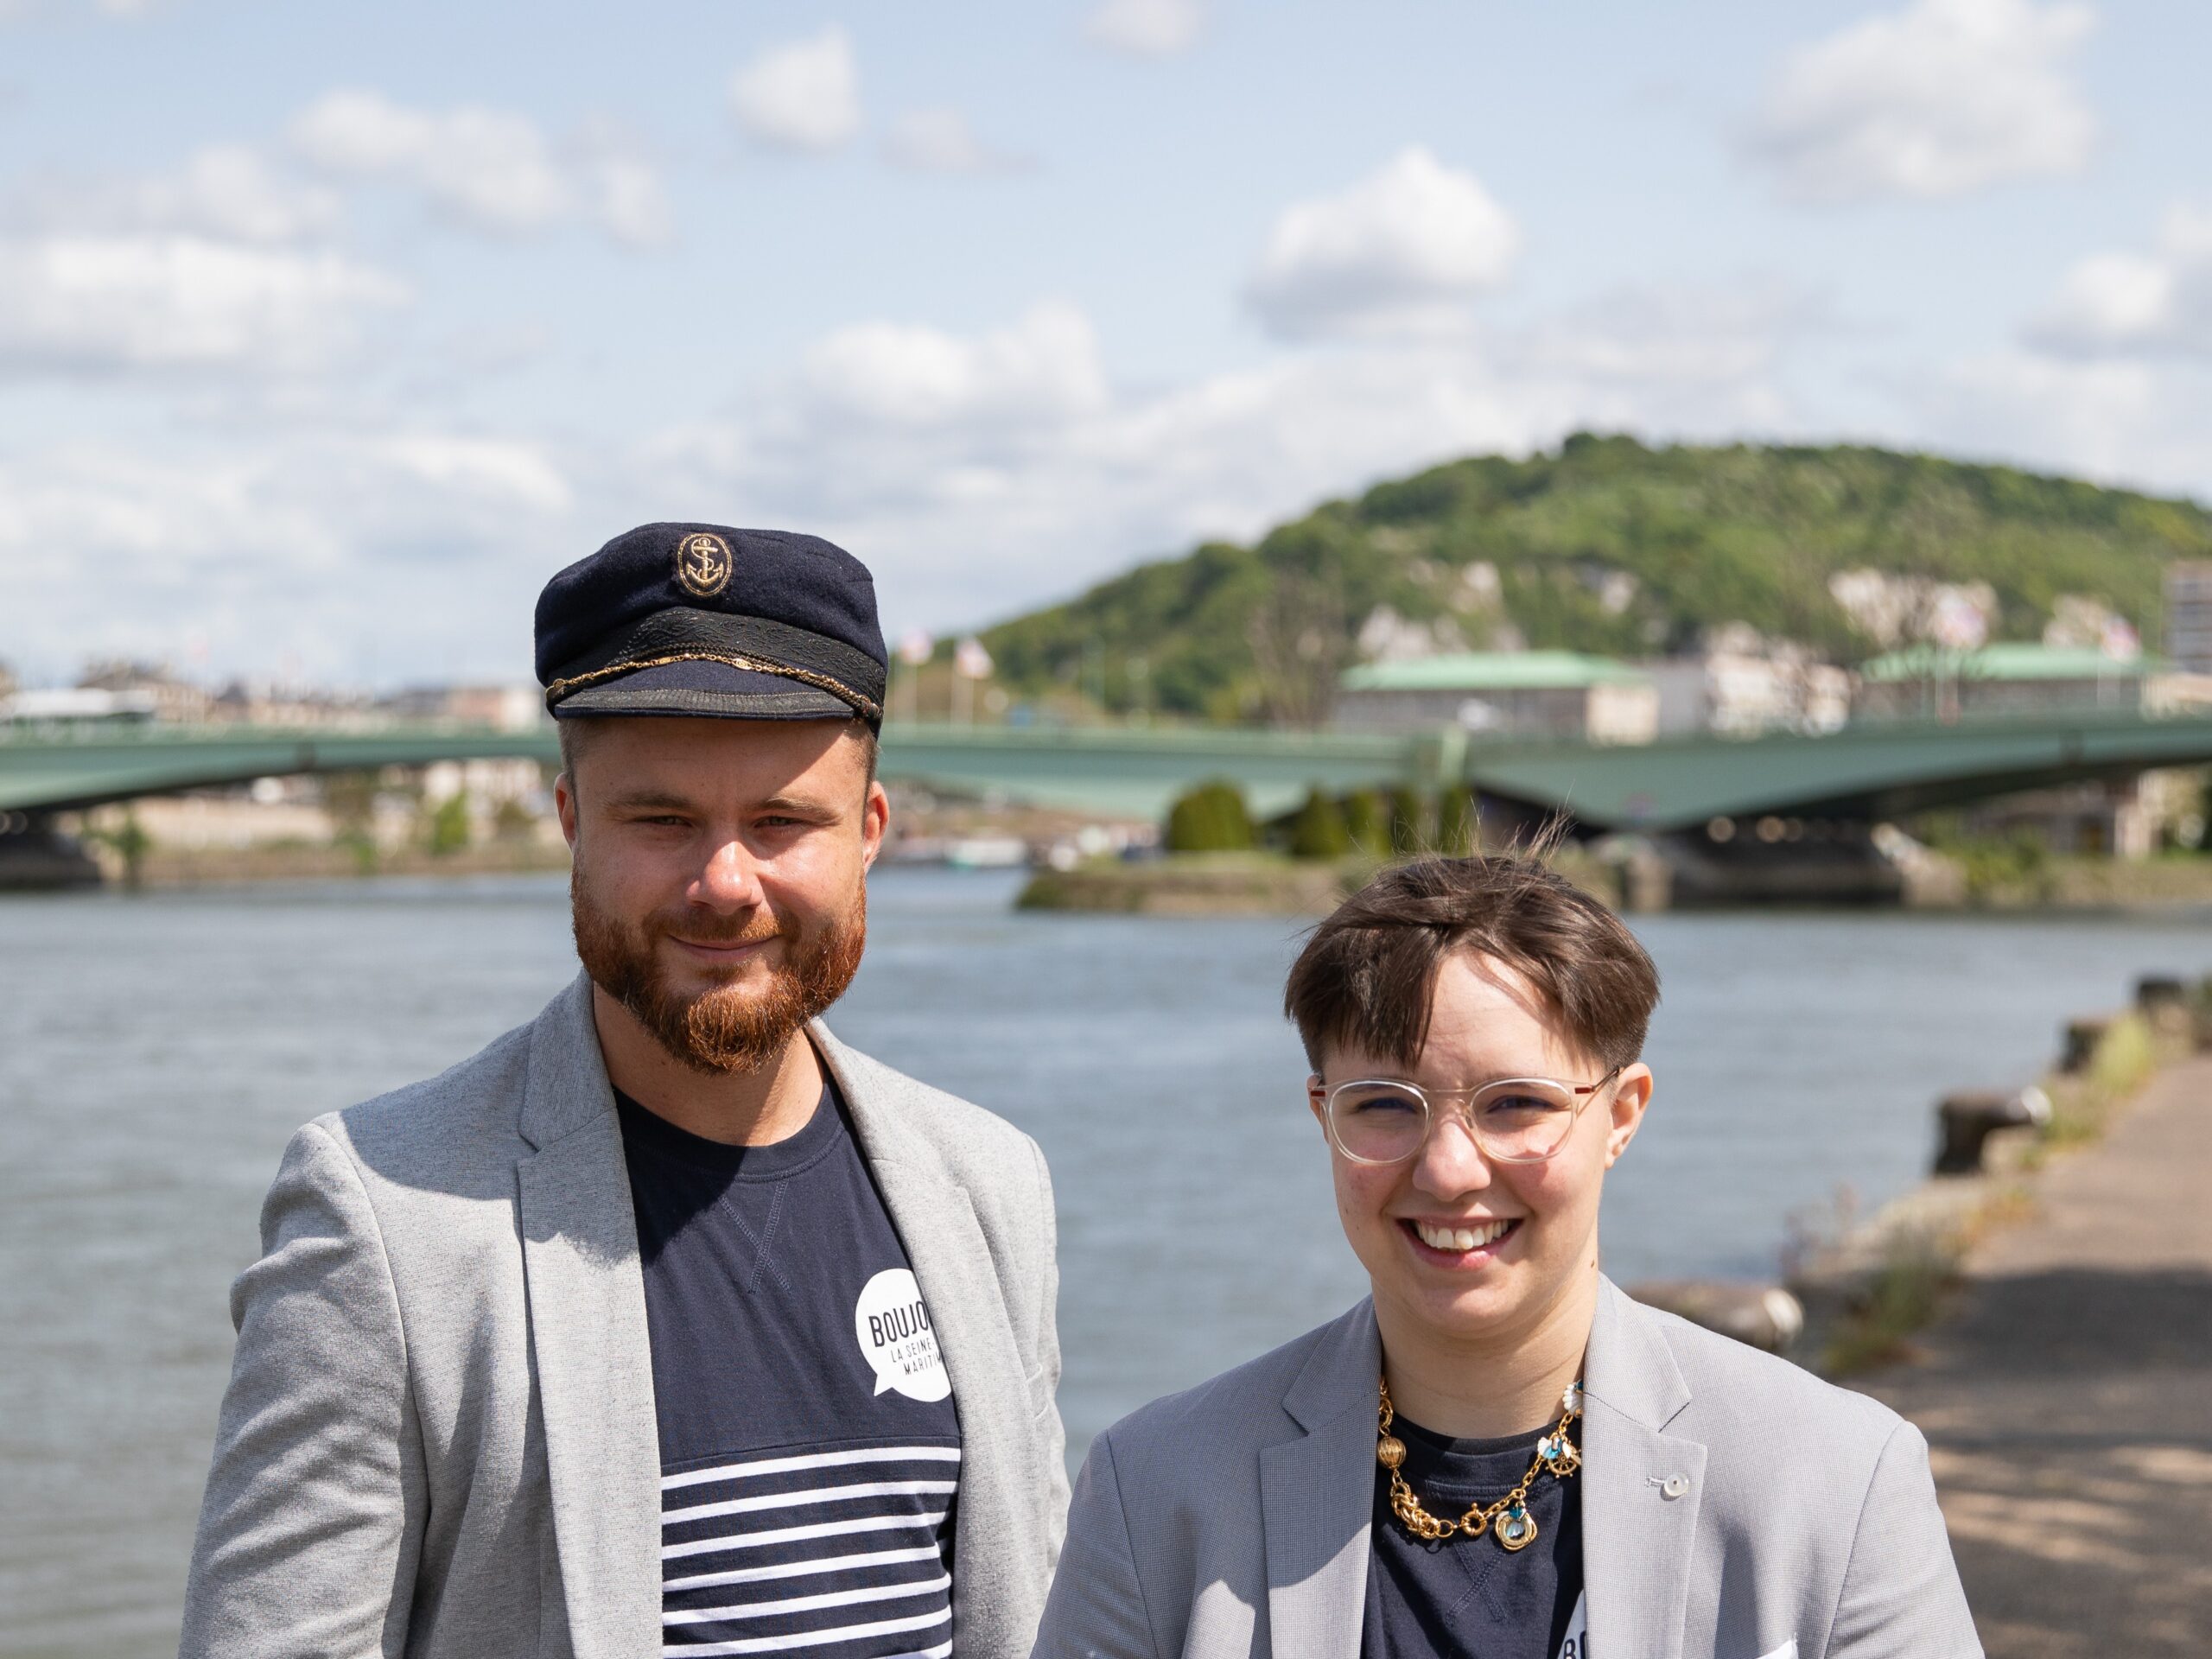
(700, 928)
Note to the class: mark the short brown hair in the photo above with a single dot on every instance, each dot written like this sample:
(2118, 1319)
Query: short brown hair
(1367, 976)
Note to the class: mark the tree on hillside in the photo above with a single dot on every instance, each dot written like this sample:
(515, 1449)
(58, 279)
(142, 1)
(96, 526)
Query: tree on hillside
(1612, 547)
(1301, 640)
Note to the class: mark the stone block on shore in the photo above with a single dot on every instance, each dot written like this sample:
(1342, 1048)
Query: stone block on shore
(1764, 1316)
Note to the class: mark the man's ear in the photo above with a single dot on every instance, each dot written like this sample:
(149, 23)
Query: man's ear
(875, 819)
(564, 805)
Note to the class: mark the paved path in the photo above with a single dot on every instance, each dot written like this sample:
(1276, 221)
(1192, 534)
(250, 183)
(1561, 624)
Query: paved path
(2069, 1399)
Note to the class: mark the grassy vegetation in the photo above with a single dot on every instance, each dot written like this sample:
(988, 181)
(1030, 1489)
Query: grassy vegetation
(2121, 1062)
(1605, 546)
(1900, 1297)
(1920, 1258)
(2001, 872)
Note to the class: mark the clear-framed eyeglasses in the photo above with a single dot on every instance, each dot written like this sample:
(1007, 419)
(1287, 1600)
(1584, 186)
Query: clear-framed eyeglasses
(1511, 1121)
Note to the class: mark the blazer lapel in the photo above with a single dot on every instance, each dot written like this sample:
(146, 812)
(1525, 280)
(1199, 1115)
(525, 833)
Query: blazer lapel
(1317, 1497)
(588, 1340)
(952, 1263)
(1641, 1485)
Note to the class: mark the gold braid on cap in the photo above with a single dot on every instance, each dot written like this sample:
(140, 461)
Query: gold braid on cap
(560, 689)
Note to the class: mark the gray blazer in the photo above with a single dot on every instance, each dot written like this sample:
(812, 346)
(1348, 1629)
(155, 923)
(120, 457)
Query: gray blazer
(1733, 1507)
(439, 1438)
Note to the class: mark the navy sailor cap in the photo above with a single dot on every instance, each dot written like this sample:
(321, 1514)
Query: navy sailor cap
(704, 619)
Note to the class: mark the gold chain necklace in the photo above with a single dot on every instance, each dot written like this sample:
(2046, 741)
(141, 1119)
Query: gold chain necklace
(1508, 1520)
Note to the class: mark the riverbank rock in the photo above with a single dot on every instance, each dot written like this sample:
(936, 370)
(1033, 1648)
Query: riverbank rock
(1763, 1316)
(1196, 884)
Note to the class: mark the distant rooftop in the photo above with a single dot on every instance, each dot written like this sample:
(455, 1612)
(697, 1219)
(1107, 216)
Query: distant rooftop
(1493, 670)
(2010, 662)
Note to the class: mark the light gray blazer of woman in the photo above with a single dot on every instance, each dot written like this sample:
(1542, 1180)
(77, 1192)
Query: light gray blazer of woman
(1733, 1507)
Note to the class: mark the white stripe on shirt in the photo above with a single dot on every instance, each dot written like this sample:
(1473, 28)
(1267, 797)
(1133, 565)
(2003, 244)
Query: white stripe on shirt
(793, 1535)
(928, 1552)
(810, 1603)
(809, 1638)
(813, 1460)
(818, 1494)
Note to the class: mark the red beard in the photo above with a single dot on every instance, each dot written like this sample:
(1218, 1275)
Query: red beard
(728, 1027)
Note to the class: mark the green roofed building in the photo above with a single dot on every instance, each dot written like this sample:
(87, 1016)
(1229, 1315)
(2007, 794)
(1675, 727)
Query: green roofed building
(1544, 694)
(1925, 683)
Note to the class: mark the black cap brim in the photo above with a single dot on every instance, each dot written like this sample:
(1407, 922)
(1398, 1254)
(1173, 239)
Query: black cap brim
(706, 689)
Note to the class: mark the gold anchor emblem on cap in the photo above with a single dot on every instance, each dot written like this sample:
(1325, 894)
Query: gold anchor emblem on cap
(703, 564)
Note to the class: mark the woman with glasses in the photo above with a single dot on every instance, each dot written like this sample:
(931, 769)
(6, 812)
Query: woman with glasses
(1497, 1454)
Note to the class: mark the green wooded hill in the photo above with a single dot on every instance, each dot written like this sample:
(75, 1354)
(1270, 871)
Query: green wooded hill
(1607, 546)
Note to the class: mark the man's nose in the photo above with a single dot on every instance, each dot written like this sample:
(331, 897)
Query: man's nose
(1451, 1163)
(730, 880)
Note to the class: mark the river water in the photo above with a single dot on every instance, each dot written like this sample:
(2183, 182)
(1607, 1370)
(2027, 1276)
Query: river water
(156, 1051)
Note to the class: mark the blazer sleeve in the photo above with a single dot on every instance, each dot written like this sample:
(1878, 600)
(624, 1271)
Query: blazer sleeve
(311, 1528)
(1051, 1433)
(1902, 1598)
(1097, 1610)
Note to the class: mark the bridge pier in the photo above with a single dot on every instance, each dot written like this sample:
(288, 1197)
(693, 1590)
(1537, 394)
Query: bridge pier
(1692, 869)
(35, 855)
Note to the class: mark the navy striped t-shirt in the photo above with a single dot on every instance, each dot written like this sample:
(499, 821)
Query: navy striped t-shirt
(809, 1446)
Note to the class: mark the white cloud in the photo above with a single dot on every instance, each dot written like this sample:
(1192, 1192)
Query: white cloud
(1402, 251)
(125, 11)
(803, 95)
(1145, 29)
(496, 470)
(92, 302)
(227, 192)
(627, 200)
(942, 141)
(491, 170)
(2121, 420)
(1680, 336)
(1944, 98)
(982, 473)
(1042, 367)
(2125, 302)
(401, 555)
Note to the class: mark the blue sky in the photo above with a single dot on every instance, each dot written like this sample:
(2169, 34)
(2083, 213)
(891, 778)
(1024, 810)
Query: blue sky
(326, 333)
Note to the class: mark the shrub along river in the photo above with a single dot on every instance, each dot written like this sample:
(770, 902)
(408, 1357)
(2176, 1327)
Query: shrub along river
(156, 1051)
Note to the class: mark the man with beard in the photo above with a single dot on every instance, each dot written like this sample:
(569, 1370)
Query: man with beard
(667, 1324)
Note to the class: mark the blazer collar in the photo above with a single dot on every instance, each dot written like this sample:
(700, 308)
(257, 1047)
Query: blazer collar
(885, 1134)
(1629, 1366)
(1642, 1483)
(1317, 1496)
(589, 1338)
(566, 1086)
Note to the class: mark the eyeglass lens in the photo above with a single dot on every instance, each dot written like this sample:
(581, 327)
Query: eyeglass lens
(1520, 1121)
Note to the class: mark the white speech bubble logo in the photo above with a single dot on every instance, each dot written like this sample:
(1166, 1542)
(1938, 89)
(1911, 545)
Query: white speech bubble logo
(892, 1323)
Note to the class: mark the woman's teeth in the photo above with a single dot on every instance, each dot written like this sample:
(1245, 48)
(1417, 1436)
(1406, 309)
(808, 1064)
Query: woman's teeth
(1461, 1239)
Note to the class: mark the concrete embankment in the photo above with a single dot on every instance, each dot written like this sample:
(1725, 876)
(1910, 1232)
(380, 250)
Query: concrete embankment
(2066, 1391)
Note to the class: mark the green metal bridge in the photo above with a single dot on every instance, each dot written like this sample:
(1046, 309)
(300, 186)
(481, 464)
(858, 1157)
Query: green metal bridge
(1861, 774)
